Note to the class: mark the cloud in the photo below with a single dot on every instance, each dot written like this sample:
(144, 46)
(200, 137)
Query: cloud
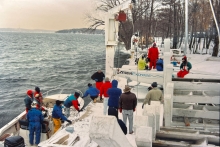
(43, 14)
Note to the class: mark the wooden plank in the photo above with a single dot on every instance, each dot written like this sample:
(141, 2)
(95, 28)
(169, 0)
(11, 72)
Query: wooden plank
(170, 143)
(196, 113)
(196, 86)
(197, 125)
(196, 99)
(188, 136)
(62, 139)
(196, 80)
(197, 107)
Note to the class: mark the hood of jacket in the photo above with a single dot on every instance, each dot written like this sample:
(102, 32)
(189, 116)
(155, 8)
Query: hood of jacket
(114, 84)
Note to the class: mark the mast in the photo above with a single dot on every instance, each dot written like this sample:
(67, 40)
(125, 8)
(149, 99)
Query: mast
(216, 23)
(186, 26)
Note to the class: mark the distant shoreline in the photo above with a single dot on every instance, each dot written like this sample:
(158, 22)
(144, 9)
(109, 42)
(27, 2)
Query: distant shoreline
(71, 31)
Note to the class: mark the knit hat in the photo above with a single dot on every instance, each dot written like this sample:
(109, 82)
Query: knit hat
(127, 88)
(77, 94)
(89, 84)
(30, 93)
(37, 89)
(184, 58)
(58, 102)
(154, 84)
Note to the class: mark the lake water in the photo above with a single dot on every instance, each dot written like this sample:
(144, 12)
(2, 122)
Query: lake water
(45, 60)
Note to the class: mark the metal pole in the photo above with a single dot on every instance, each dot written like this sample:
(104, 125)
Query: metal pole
(186, 26)
(216, 23)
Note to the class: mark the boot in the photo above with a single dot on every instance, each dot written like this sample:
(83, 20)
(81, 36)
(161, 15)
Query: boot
(94, 101)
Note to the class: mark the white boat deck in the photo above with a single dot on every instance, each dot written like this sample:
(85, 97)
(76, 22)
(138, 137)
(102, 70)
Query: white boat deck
(81, 127)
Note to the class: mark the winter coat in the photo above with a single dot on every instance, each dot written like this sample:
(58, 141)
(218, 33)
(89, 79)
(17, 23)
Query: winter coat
(188, 65)
(128, 101)
(39, 99)
(104, 88)
(114, 94)
(98, 77)
(142, 64)
(57, 113)
(35, 115)
(28, 102)
(71, 101)
(153, 53)
(154, 94)
(159, 65)
(92, 91)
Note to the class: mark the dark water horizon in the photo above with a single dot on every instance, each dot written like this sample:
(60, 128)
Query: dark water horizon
(46, 60)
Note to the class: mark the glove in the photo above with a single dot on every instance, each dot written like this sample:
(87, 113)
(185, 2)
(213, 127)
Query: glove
(80, 110)
(133, 109)
(96, 80)
(120, 110)
(69, 121)
(143, 106)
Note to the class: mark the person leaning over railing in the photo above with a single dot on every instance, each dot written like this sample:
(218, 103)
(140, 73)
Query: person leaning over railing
(57, 115)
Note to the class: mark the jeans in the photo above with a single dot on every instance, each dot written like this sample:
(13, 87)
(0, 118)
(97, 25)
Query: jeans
(113, 111)
(105, 105)
(128, 114)
(67, 112)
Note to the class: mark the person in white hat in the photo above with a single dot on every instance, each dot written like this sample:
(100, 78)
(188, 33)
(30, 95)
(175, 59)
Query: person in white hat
(35, 119)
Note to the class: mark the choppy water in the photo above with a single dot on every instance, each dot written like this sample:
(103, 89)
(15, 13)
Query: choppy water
(45, 60)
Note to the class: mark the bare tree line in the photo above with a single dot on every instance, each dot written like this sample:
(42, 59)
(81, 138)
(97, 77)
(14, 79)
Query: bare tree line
(166, 19)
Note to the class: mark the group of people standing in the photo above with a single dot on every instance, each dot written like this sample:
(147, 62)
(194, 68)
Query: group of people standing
(157, 63)
(114, 100)
(34, 107)
(152, 61)
(33, 103)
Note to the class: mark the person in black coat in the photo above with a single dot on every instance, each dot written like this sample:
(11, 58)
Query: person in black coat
(98, 76)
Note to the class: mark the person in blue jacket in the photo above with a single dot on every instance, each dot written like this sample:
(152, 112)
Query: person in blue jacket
(159, 64)
(57, 115)
(35, 119)
(92, 91)
(113, 101)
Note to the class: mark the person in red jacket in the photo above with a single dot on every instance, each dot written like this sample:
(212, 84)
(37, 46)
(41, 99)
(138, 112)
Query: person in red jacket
(104, 88)
(153, 54)
(39, 98)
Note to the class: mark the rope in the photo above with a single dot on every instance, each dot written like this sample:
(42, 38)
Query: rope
(135, 48)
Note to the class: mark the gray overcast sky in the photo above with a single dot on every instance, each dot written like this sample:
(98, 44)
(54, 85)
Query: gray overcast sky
(43, 14)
